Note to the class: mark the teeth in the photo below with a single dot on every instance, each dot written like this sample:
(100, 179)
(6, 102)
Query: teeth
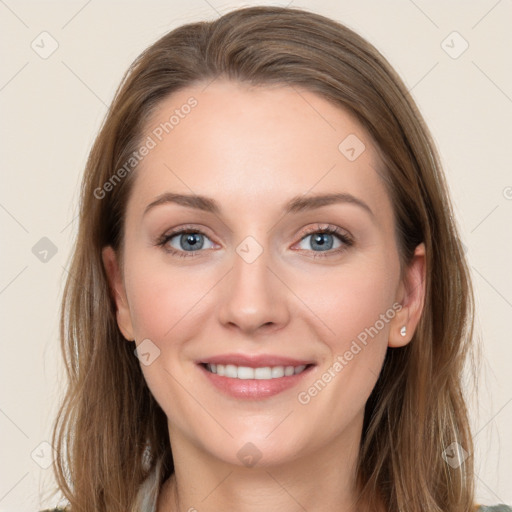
(263, 373)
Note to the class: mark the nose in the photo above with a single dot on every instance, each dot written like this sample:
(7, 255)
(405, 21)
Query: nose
(254, 297)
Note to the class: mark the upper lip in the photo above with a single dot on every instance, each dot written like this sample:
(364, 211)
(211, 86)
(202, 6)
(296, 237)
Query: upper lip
(255, 360)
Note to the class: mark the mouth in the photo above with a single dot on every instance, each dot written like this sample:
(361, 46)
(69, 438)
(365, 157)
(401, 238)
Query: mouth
(254, 382)
(231, 371)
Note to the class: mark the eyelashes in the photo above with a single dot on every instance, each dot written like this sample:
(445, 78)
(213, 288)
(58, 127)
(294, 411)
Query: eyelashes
(194, 234)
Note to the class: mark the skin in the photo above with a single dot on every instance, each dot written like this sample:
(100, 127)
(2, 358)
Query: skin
(253, 149)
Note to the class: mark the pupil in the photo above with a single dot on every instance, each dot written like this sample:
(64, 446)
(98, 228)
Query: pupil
(320, 239)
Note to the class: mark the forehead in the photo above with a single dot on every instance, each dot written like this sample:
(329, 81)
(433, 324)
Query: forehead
(256, 146)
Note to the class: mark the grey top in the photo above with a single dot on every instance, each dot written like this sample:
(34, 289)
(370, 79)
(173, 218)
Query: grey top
(495, 508)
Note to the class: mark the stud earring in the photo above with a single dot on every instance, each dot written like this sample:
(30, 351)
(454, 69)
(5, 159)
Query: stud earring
(403, 331)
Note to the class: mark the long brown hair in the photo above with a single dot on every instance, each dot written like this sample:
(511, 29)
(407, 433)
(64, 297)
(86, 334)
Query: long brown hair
(110, 435)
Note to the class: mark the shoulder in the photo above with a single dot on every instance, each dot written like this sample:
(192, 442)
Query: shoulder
(494, 508)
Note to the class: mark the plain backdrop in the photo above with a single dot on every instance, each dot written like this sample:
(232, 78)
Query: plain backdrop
(61, 63)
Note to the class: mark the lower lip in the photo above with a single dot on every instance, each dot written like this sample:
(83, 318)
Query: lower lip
(254, 388)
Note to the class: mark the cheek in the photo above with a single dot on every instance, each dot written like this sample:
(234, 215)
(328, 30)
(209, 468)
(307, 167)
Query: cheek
(164, 298)
(164, 303)
(357, 307)
(352, 300)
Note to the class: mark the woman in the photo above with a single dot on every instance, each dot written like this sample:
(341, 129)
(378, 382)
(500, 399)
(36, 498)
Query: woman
(268, 305)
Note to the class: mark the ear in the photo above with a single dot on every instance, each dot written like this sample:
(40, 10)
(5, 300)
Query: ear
(116, 284)
(411, 295)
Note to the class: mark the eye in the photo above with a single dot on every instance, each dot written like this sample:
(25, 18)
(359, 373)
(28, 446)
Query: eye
(323, 239)
(184, 242)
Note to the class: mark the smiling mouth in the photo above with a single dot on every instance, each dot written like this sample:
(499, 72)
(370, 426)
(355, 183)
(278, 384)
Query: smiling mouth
(232, 371)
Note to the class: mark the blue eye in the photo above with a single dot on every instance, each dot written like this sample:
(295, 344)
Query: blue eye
(188, 241)
(321, 240)
(324, 238)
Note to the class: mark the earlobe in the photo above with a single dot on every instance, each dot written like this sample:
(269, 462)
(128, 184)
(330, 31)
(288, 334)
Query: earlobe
(118, 292)
(412, 297)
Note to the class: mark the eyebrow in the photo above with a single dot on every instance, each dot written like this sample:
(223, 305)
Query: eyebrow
(295, 205)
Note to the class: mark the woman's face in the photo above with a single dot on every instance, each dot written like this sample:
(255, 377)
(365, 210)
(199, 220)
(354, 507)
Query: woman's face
(253, 281)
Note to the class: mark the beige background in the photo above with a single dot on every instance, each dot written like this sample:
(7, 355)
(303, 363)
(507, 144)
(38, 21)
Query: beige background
(51, 110)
